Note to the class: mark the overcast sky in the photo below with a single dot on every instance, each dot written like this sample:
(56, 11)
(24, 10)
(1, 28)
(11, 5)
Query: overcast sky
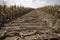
(30, 3)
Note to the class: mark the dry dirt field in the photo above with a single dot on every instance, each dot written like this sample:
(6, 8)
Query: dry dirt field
(40, 24)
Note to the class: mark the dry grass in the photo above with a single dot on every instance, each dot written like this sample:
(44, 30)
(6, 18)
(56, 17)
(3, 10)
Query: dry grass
(51, 9)
(12, 12)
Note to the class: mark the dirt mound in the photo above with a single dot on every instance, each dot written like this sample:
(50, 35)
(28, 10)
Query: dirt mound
(40, 24)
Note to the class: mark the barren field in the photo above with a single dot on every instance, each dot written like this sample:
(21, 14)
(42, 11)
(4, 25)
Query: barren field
(35, 25)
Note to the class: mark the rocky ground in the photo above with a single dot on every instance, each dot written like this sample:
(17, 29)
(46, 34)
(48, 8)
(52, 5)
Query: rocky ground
(36, 25)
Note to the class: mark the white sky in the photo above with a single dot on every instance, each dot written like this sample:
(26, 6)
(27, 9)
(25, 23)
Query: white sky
(30, 3)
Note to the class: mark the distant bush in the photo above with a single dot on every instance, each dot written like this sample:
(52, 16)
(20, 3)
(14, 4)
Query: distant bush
(12, 12)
